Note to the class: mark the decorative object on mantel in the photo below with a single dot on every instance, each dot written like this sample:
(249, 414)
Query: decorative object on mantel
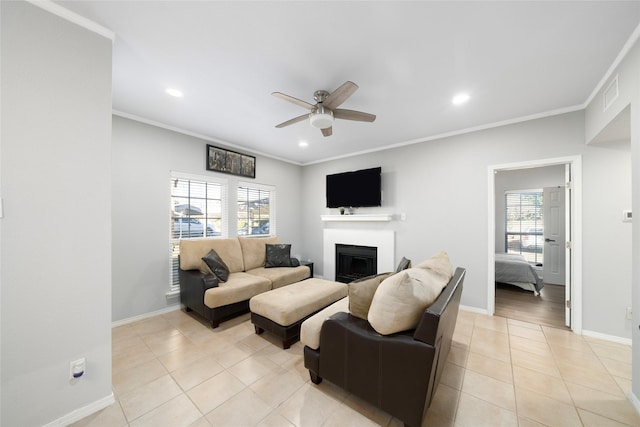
(231, 162)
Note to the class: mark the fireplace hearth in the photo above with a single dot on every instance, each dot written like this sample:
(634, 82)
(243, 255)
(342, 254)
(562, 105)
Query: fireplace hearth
(354, 262)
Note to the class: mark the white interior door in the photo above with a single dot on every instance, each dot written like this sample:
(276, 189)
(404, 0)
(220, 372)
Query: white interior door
(554, 265)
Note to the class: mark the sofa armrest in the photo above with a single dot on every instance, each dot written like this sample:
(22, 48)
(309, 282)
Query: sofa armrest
(192, 288)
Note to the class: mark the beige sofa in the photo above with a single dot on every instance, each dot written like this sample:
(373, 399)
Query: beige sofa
(245, 258)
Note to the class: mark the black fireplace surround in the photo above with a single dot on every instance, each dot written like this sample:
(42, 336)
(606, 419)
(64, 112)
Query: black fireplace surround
(354, 262)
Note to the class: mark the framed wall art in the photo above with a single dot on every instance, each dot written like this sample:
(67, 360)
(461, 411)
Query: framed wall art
(231, 162)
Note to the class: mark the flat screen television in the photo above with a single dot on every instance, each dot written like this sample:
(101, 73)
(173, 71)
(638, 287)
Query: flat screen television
(355, 189)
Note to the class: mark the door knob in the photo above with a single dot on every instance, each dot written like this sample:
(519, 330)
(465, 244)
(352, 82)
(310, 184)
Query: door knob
(549, 240)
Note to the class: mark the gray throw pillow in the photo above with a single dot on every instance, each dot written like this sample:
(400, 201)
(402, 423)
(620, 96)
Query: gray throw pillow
(361, 293)
(403, 265)
(217, 265)
(278, 255)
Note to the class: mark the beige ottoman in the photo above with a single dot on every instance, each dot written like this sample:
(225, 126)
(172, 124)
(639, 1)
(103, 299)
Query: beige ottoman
(282, 311)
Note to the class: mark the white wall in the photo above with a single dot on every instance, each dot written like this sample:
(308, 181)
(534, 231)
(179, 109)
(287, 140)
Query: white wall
(522, 179)
(56, 230)
(442, 187)
(143, 158)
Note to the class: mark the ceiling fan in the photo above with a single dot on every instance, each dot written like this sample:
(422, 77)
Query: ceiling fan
(325, 110)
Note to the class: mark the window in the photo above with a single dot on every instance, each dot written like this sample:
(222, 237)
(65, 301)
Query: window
(198, 210)
(256, 210)
(524, 225)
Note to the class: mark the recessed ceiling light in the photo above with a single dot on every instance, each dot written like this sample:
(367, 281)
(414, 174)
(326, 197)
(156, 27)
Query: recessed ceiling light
(303, 144)
(174, 92)
(460, 99)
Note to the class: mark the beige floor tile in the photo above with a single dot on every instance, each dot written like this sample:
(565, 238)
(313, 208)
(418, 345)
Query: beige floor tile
(546, 385)
(149, 396)
(167, 341)
(530, 346)
(452, 375)
(181, 356)
(495, 323)
(151, 326)
(617, 368)
(444, 405)
(490, 367)
(528, 333)
(123, 381)
(124, 343)
(243, 409)
(280, 357)
(520, 323)
(277, 387)
(545, 410)
(569, 355)
(615, 407)
(274, 420)
(253, 368)
(526, 422)
(215, 391)
(178, 412)
(624, 384)
(586, 376)
(491, 343)
(230, 355)
(201, 422)
(347, 416)
(197, 372)
(593, 420)
(475, 412)
(544, 364)
(610, 350)
(309, 406)
(131, 357)
(111, 416)
(486, 388)
(368, 410)
(458, 354)
(122, 333)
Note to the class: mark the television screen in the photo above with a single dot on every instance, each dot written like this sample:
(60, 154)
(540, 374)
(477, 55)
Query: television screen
(355, 189)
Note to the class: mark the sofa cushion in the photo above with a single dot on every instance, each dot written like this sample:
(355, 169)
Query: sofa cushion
(254, 250)
(282, 276)
(277, 255)
(310, 328)
(401, 299)
(240, 287)
(192, 252)
(439, 264)
(361, 293)
(216, 265)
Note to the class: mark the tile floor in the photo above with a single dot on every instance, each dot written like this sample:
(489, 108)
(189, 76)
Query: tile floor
(173, 370)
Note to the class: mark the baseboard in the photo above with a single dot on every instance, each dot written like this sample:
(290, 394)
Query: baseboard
(85, 411)
(634, 401)
(606, 337)
(474, 309)
(145, 316)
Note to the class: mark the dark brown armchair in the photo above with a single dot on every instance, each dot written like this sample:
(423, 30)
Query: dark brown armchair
(398, 373)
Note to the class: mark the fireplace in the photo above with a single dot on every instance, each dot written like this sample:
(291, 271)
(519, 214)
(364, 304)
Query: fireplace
(354, 262)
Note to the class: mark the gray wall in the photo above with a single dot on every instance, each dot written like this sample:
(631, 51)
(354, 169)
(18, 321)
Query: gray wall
(522, 179)
(442, 186)
(597, 127)
(56, 231)
(143, 158)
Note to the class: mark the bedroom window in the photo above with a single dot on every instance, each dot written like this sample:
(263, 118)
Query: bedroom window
(524, 224)
(256, 209)
(198, 210)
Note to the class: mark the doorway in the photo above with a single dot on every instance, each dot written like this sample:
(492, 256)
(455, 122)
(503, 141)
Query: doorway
(570, 302)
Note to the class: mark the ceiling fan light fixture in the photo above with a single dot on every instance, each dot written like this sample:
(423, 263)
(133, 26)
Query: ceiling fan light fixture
(321, 118)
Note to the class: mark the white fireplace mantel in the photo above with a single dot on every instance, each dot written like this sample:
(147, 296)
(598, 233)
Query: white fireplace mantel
(381, 217)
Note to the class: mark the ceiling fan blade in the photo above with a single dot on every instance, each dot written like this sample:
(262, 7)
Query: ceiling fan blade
(292, 121)
(293, 100)
(338, 96)
(327, 131)
(358, 116)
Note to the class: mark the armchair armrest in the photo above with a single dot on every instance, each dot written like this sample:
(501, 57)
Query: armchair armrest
(193, 286)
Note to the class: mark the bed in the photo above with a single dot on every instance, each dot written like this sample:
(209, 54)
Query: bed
(514, 269)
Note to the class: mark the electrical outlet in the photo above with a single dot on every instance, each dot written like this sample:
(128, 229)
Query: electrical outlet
(629, 313)
(77, 368)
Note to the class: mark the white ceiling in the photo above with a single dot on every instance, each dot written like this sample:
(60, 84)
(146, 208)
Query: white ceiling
(516, 59)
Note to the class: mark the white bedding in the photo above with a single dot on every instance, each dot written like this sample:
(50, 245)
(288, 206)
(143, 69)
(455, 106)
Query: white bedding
(514, 269)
